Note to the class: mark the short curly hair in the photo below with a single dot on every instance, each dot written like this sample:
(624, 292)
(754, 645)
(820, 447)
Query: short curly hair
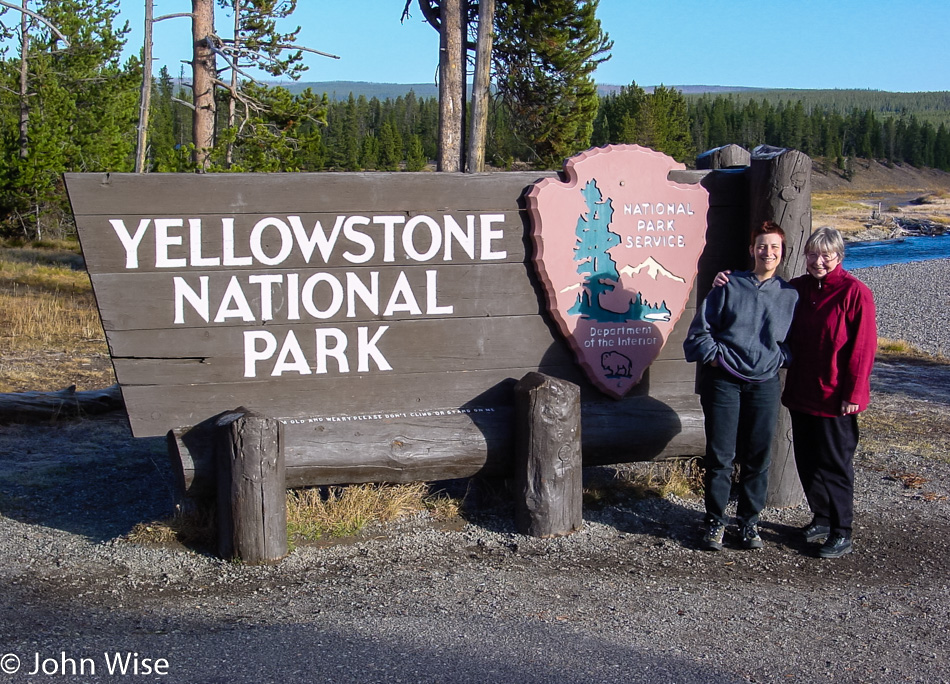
(825, 241)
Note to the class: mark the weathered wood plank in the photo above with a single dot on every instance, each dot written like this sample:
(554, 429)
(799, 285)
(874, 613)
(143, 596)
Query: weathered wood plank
(131, 194)
(446, 408)
(217, 355)
(453, 291)
(189, 404)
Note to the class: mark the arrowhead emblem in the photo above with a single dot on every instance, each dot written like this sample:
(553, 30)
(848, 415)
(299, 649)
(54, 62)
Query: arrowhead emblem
(616, 247)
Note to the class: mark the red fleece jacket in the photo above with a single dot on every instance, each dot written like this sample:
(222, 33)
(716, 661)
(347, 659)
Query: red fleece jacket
(832, 340)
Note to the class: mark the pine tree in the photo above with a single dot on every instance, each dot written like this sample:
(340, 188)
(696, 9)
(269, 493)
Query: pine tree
(545, 55)
(82, 106)
(415, 155)
(594, 239)
(668, 121)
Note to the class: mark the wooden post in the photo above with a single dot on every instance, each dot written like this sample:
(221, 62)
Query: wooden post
(252, 504)
(725, 157)
(780, 191)
(549, 467)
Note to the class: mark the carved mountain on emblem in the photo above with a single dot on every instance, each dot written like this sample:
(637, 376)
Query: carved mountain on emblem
(653, 269)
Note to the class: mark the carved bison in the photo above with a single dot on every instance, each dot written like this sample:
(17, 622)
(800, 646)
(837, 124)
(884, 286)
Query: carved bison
(616, 364)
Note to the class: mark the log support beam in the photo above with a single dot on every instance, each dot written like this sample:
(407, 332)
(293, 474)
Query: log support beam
(549, 468)
(251, 489)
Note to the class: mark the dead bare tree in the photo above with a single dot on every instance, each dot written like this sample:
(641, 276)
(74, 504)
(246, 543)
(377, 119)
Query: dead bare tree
(204, 74)
(207, 46)
(451, 18)
(481, 82)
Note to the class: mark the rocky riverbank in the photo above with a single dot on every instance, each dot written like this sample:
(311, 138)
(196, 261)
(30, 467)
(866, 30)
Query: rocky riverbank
(913, 302)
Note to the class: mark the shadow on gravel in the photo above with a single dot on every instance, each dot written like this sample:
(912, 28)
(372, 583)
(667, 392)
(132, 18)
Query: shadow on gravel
(916, 378)
(86, 477)
(323, 641)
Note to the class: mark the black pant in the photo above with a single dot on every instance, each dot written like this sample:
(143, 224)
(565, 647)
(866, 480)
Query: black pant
(740, 420)
(824, 454)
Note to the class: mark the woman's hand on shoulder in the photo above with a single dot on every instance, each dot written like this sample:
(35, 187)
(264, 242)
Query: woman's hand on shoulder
(721, 278)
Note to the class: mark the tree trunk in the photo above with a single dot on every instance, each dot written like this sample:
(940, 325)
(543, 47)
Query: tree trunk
(204, 72)
(475, 161)
(725, 157)
(146, 96)
(232, 101)
(24, 83)
(33, 407)
(451, 78)
(780, 191)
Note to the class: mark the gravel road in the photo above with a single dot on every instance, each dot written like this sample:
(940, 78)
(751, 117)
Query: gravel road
(629, 598)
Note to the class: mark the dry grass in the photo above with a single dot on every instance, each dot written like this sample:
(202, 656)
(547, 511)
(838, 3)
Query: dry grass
(902, 350)
(50, 333)
(906, 426)
(313, 514)
(902, 423)
(656, 479)
(344, 511)
(835, 202)
(195, 528)
(850, 211)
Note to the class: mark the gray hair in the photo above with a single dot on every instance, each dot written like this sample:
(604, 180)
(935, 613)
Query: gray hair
(825, 241)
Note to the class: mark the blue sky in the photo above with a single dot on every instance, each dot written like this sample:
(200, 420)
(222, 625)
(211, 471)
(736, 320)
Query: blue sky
(874, 44)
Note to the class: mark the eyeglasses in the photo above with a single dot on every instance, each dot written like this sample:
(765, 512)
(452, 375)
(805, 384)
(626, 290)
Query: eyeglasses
(827, 258)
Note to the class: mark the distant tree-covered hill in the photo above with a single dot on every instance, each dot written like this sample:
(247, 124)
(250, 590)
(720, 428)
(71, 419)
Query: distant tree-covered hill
(340, 90)
(928, 107)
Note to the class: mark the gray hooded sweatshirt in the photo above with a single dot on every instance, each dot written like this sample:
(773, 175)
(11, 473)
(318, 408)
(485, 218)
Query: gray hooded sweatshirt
(744, 324)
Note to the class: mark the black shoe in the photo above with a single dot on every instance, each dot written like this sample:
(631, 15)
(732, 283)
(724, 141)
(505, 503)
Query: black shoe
(749, 537)
(712, 538)
(836, 547)
(815, 532)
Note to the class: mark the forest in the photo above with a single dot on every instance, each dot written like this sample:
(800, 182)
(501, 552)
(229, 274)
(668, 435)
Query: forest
(77, 108)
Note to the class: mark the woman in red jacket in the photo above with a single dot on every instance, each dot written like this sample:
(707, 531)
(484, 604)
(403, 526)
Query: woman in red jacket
(832, 341)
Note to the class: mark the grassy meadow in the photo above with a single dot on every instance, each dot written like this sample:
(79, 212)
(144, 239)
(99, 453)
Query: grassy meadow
(50, 333)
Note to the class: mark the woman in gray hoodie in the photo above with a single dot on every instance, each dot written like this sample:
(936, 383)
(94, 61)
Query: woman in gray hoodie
(738, 336)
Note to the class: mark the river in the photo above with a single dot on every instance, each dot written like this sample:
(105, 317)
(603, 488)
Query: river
(896, 251)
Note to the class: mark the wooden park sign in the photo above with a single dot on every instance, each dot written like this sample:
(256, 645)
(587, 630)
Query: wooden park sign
(384, 319)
